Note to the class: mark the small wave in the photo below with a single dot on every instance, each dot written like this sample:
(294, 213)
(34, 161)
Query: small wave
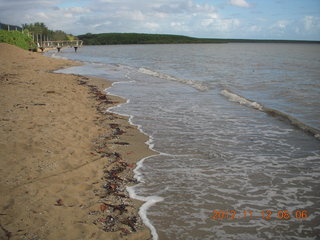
(194, 84)
(275, 113)
(295, 122)
(239, 99)
(149, 201)
(54, 55)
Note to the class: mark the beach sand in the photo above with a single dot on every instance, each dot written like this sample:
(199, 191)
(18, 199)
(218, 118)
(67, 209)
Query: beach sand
(64, 161)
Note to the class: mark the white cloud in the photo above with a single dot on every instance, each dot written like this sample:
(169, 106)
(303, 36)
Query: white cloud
(239, 3)
(282, 24)
(176, 24)
(133, 15)
(160, 15)
(227, 24)
(207, 22)
(311, 23)
(255, 28)
(186, 17)
(78, 10)
(151, 26)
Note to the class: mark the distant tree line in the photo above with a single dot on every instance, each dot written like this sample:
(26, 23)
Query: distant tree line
(140, 38)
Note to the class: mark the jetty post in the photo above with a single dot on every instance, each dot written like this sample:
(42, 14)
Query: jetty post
(59, 44)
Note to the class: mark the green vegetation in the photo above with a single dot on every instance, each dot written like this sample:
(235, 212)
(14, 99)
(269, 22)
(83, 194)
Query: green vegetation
(40, 32)
(17, 38)
(27, 36)
(140, 38)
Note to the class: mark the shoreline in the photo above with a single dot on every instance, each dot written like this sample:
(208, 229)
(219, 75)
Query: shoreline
(65, 160)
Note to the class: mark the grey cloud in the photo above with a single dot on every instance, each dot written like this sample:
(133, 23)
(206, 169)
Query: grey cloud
(19, 11)
(21, 5)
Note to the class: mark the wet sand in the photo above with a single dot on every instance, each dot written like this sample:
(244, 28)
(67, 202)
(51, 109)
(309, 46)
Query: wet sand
(64, 160)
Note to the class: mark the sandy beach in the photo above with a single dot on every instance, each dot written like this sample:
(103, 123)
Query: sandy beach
(64, 160)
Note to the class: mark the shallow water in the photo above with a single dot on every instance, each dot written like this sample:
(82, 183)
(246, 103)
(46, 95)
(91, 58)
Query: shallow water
(221, 153)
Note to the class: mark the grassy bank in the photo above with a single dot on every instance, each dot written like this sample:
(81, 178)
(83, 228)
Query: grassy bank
(17, 38)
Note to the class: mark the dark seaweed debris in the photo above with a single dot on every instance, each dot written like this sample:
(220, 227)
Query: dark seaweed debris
(115, 206)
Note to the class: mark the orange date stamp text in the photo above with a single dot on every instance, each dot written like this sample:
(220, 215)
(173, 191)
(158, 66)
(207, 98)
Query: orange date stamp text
(264, 214)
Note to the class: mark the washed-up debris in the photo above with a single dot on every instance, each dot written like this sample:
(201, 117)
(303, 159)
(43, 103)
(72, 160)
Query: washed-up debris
(125, 231)
(8, 233)
(103, 207)
(121, 207)
(93, 213)
(131, 222)
(131, 165)
(111, 188)
(8, 76)
(121, 195)
(111, 174)
(110, 224)
(113, 177)
(81, 82)
(59, 202)
(100, 150)
(117, 155)
(113, 213)
(102, 97)
(102, 220)
(120, 143)
(118, 131)
(114, 125)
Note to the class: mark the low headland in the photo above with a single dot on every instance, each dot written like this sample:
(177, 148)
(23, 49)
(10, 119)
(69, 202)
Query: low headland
(65, 161)
(143, 38)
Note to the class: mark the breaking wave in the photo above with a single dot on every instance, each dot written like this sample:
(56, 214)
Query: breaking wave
(236, 98)
(273, 112)
(197, 85)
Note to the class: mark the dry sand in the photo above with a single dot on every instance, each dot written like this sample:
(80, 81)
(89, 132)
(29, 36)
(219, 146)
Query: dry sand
(64, 162)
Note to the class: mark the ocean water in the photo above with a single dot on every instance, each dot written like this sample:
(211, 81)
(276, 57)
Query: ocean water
(237, 131)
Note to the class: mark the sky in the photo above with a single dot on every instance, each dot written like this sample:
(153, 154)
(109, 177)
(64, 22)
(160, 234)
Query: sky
(249, 19)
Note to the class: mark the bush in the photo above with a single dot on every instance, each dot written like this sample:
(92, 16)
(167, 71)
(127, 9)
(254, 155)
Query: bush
(19, 39)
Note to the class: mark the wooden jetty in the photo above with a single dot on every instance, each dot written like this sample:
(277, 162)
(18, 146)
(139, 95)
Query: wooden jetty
(59, 44)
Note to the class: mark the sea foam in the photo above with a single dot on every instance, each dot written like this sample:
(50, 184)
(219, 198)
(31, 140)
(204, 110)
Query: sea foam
(149, 200)
(195, 84)
(239, 99)
(272, 112)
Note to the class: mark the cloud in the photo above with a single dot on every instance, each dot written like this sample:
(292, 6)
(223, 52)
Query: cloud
(163, 16)
(281, 24)
(311, 23)
(255, 28)
(77, 10)
(240, 3)
(20, 6)
(199, 18)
